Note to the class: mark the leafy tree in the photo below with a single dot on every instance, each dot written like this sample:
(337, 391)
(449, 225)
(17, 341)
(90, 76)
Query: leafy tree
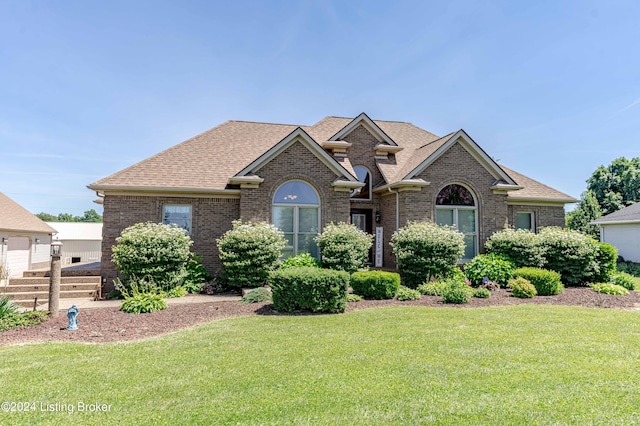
(46, 217)
(617, 185)
(88, 216)
(91, 216)
(587, 210)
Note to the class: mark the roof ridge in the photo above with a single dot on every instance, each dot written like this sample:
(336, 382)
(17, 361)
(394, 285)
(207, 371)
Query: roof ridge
(263, 122)
(435, 140)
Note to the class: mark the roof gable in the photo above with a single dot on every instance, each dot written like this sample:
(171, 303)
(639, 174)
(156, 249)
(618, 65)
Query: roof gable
(14, 217)
(367, 123)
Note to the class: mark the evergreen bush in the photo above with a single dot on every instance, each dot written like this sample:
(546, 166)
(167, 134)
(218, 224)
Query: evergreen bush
(344, 247)
(314, 289)
(522, 288)
(546, 282)
(571, 253)
(375, 284)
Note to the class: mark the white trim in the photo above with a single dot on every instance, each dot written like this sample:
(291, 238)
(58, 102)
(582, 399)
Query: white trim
(298, 135)
(533, 201)
(227, 193)
(403, 185)
(368, 124)
(531, 214)
(614, 222)
(161, 190)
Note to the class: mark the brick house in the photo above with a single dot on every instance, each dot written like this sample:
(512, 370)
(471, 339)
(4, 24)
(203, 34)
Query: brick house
(376, 174)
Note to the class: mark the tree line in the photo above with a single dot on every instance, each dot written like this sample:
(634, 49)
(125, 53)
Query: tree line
(88, 216)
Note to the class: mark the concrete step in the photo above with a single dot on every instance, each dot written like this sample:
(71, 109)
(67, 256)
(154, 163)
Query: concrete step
(46, 280)
(44, 295)
(64, 273)
(45, 287)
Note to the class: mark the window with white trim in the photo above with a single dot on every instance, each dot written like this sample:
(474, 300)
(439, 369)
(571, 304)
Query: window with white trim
(296, 212)
(363, 175)
(524, 220)
(455, 206)
(177, 214)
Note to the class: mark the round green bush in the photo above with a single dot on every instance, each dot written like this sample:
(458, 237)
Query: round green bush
(608, 288)
(482, 293)
(424, 249)
(623, 279)
(257, 295)
(302, 260)
(457, 292)
(571, 253)
(406, 293)
(522, 288)
(249, 252)
(495, 267)
(546, 283)
(344, 247)
(375, 284)
(523, 247)
(153, 250)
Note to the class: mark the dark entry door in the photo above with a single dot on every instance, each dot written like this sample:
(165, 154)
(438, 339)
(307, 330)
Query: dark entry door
(362, 218)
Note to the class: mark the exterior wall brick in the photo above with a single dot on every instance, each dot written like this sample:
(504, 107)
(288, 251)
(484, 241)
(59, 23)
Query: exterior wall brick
(542, 215)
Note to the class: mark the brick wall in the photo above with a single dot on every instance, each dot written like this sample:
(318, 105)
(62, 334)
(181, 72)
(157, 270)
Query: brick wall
(542, 215)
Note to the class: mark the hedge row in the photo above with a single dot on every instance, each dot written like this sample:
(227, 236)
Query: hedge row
(318, 290)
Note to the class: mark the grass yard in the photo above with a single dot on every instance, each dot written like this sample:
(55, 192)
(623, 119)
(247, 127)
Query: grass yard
(527, 364)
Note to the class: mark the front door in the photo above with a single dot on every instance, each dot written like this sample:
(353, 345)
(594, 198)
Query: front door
(361, 218)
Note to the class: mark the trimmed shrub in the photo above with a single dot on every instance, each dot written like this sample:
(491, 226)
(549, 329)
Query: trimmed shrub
(457, 292)
(623, 279)
(257, 295)
(354, 298)
(344, 247)
(249, 252)
(608, 288)
(495, 267)
(606, 260)
(433, 288)
(302, 260)
(318, 290)
(481, 293)
(522, 288)
(424, 249)
(547, 283)
(375, 284)
(153, 250)
(523, 247)
(406, 293)
(570, 253)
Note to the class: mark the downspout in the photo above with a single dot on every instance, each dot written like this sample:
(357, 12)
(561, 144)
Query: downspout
(397, 207)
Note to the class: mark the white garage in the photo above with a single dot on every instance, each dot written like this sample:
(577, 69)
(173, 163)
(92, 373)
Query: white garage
(18, 255)
(622, 230)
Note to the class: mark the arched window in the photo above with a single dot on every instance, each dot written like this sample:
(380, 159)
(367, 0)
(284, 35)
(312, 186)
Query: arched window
(455, 206)
(363, 175)
(296, 212)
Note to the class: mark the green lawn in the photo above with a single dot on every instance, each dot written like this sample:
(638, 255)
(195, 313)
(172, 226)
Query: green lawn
(528, 364)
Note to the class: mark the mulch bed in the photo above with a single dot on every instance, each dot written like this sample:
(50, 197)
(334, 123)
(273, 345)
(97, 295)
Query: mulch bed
(111, 325)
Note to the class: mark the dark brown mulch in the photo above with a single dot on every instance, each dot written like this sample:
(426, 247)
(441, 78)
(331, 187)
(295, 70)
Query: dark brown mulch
(111, 325)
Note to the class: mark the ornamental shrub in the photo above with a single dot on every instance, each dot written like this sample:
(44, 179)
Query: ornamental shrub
(522, 288)
(141, 303)
(623, 279)
(433, 288)
(606, 260)
(197, 275)
(570, 253)
(523, 247)
(154, 250)
(457, 292)
(497, 268)
(546, 282)
(257, 295)
(249, 251)
(300, 261)
(344, 247)
(482, 293)
(406, 293)
(375, 284)
(424, 249)
(608, 288)
(314, 289)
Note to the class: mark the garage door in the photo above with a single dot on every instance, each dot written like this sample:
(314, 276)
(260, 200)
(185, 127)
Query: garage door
(18, 255)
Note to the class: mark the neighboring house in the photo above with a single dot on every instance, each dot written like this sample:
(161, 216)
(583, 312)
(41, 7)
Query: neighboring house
(376, 174)
(81, 241)
(25, 240)
(622, 230)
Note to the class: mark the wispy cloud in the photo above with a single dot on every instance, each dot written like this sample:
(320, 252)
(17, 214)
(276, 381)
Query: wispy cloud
(631, 105)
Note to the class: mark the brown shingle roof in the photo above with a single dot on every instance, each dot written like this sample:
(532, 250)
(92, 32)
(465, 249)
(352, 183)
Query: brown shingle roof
(14, 217)
(207, 161)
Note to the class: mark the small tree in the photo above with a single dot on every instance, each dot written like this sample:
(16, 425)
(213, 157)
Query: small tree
(344, 247)
(424, 249)
(153, 250)
(587, 210)
(249, 252)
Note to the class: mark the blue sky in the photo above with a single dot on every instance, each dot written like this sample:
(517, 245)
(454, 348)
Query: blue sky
(549, 88)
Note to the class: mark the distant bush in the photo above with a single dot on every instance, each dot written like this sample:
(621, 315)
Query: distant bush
(155, 251)
(424, 249)
(318, 290)
(522, 288)
(375, 284)
(623, 279)
(344, 247)
(608, 288)
(523, 247)
(571, 253)
(547, 283)
(497, 268)
(482, 293)
(257, 295)
(249, 252)
(628, 267)
(606, 260)
(302, 260)
(406, 293)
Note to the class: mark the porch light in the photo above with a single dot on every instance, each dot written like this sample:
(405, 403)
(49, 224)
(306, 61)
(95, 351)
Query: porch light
(4, 241)
(37, 241)
(56, 248)
(378, 217)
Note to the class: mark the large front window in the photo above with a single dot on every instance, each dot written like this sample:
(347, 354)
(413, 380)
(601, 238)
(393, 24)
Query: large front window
(296, 212)
(455, 206)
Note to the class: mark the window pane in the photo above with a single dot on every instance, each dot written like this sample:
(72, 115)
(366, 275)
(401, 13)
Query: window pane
(455, 195)
(523, 221)
(363, 176)
(306, 244)
(287, 252)
(295, 192)
(467, 221)
(308, 218)
(469, 246)
(444, 217)
(178, 215)
(283, 218)
(289, 240)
